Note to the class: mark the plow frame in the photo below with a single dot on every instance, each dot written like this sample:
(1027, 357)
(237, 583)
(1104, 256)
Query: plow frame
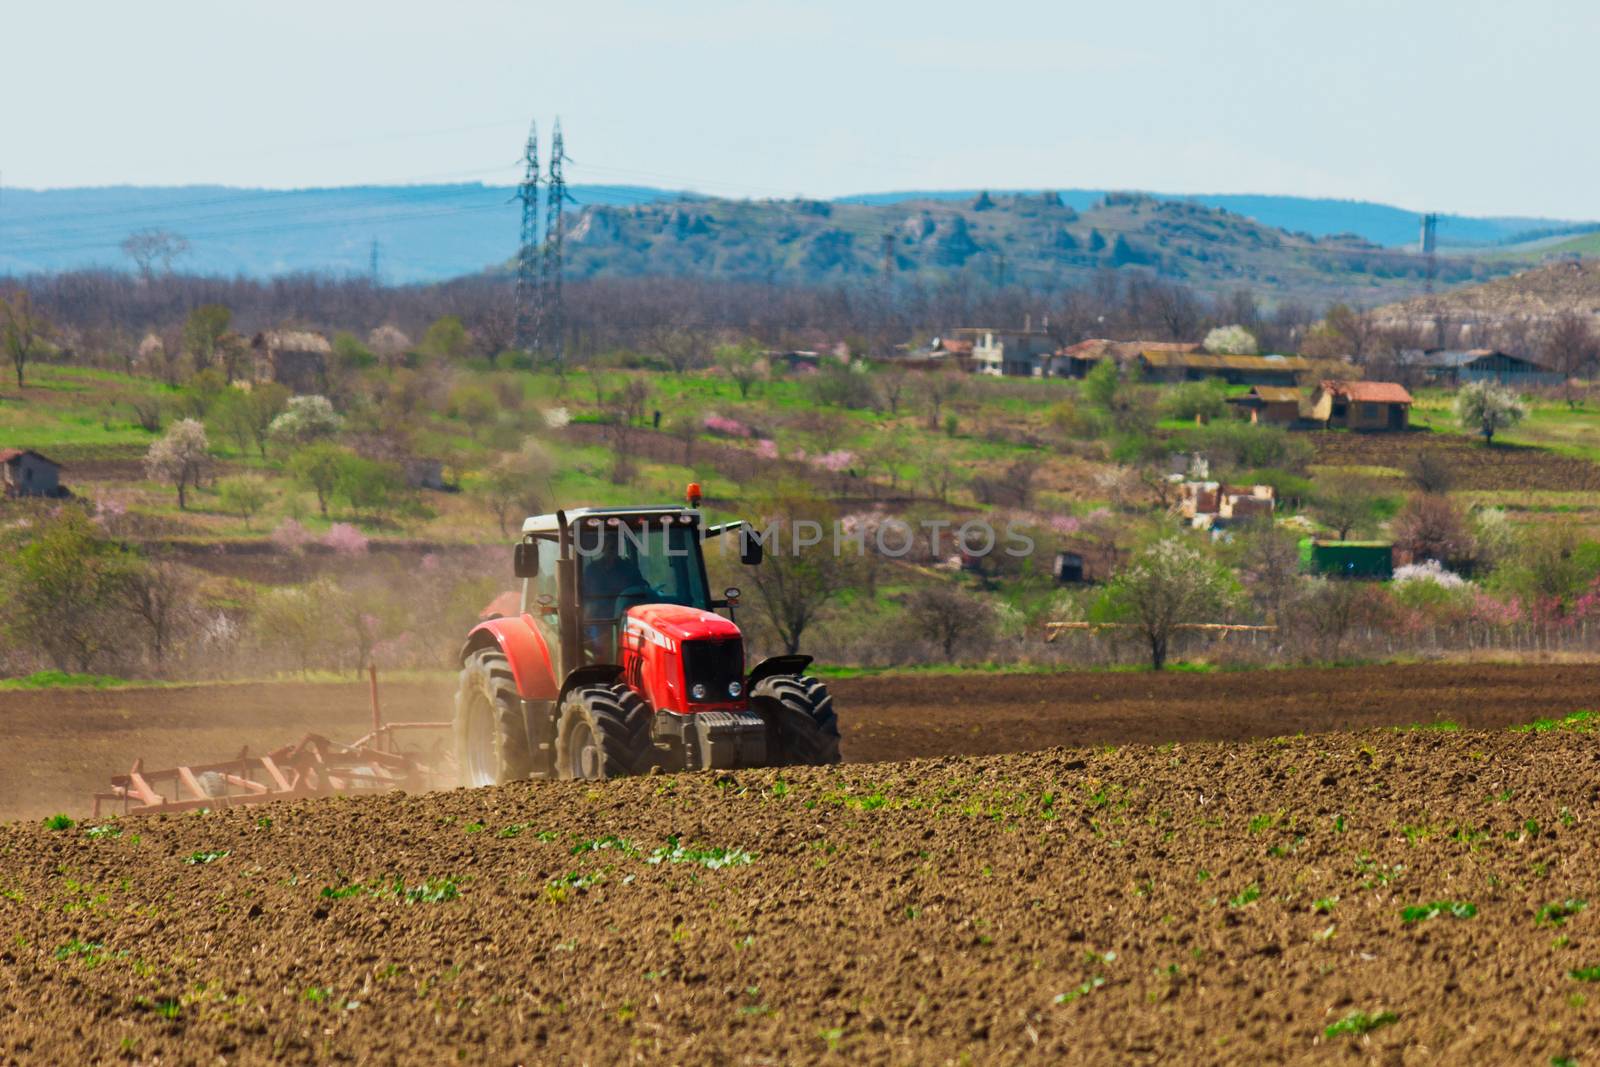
(312, 766)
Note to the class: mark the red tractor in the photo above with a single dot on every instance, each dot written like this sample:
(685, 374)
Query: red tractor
(619, 662)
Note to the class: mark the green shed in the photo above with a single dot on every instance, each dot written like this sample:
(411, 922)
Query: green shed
(1348, 559)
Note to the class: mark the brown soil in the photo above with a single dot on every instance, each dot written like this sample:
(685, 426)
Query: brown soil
(1198, 903)
(63, 745)
(1474, 465)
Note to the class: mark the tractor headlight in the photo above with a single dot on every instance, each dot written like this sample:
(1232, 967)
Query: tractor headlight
(734, 689)
(698, 690)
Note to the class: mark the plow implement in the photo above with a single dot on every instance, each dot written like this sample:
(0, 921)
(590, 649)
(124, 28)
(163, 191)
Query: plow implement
(312, 766)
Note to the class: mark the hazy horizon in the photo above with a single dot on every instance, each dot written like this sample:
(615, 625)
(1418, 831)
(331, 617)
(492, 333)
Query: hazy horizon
(1462, 108)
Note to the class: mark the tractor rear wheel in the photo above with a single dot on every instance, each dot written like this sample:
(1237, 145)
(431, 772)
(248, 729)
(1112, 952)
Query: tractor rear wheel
(604, 733)
(801, 725)
(490, 732)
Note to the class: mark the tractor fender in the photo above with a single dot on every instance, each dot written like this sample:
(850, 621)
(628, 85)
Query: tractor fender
(776, 665)
(525, 651)
(592, 674)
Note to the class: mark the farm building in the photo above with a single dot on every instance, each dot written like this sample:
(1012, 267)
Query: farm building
(1167, 366)
(1451, 368)
(1269, 405)
(1024, 353)
(1212, 504)
(24, 472)
(295, 358)
(1362, 405)
(1348, 559)
(1075, 361)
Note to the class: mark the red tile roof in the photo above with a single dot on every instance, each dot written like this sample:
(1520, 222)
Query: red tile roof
(1369, 392)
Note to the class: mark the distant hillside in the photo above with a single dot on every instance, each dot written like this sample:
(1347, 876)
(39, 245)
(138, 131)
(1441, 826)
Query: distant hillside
(1381, 224)
(1030, 238)
(425, 233)
(1286, 246)
(1539, 293)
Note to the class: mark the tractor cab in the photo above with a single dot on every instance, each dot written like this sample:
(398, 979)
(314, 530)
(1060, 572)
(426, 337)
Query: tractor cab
(584, 570)
(622, 660)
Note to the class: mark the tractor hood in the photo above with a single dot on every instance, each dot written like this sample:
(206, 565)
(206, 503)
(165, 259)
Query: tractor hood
(668, 624)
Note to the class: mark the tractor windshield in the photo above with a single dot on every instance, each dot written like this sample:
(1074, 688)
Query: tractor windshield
(654, 562)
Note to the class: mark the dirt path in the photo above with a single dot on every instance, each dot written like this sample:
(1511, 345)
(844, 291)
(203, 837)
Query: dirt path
(62, 745)
(1201, 903)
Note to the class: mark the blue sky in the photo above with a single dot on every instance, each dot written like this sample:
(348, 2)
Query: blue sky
(1467, 106)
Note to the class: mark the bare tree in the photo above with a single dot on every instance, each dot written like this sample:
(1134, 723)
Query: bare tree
(1430, 526)
(148, 247)
(936, 387)
(1570, 348)
(1344, 502)
(514, 488)
(953, 619)
(798, 580)
(22, 329)
(158, 594)
(624, 411)
(745, 363)
(1431, 471)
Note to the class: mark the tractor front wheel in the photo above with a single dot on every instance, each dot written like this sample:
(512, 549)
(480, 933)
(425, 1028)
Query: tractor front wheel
(490, 733)
(604, 733)
(801, 725)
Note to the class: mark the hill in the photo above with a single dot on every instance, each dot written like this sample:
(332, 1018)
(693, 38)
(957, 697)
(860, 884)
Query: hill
(1029, 238)
(433, 232)
(1382, 224)
(1542, 292)
(424, 233)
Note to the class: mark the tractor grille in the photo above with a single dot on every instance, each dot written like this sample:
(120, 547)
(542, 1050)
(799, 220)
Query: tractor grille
(713, 664)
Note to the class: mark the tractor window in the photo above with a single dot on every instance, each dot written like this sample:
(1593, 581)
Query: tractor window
(647, 563)
(545, 581)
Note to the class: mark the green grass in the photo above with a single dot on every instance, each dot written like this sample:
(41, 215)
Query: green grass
(62, 680)
(1581, 722)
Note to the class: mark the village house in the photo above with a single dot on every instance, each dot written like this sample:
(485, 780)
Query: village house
(1269, 405)
(295, 358)
(1212, 504)
(1024, 353)
(24, 472)
(1159, 365)
(1362, 405)
(1451, 368)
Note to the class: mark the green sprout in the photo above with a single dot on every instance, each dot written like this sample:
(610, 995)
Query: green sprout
(1359, 1022)
(1456, 909)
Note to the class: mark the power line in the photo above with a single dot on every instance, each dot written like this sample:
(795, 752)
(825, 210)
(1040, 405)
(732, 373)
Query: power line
(528, 293)
(553, 320)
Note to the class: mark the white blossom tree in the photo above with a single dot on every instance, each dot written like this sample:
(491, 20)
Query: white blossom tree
(1231, 341)
(179, 457)
(1488, 408)
(1168, 584)
(307, 419)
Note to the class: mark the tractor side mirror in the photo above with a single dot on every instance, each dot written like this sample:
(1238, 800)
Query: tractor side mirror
(525, 561)
(751, 550)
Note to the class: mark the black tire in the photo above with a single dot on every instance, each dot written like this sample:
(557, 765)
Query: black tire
(801, 725)
(604, 732)
(491, 734)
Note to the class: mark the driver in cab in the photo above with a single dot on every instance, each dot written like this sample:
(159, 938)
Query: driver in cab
(612, 582)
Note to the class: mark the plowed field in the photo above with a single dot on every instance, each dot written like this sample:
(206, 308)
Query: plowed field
(61, 746)
(1384, 897)
(1472, 465)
